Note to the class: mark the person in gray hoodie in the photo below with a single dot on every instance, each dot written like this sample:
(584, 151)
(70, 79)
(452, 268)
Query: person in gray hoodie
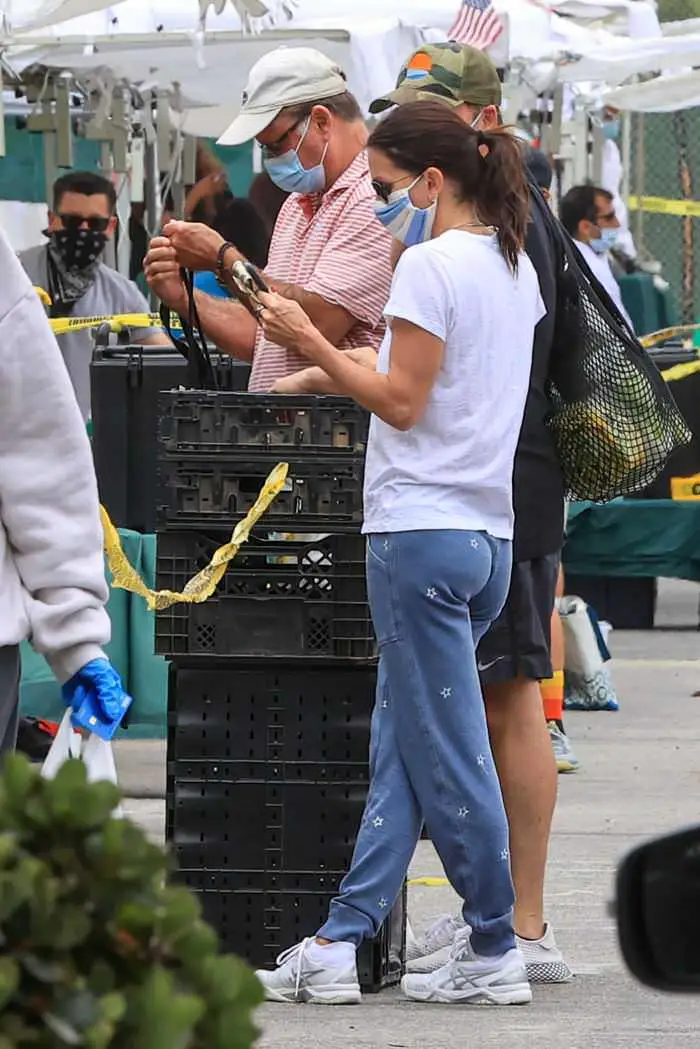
(52, 579)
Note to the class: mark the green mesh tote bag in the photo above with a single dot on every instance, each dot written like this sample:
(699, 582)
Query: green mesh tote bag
(613, 417)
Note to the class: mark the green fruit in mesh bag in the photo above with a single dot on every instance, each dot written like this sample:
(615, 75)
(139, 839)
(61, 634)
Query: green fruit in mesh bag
(597, 454)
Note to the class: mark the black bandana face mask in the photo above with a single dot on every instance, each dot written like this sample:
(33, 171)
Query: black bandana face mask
(78, 250)
(73, 257)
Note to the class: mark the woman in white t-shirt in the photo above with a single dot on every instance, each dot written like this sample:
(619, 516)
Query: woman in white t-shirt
(447, 398)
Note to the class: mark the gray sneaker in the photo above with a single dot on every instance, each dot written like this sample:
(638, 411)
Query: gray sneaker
(543, 959)
(434, 948)
(302, 975)
(471, 979)
(566, 759)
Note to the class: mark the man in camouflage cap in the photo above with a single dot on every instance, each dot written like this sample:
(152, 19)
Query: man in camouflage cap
(450, 72)
(515, 654)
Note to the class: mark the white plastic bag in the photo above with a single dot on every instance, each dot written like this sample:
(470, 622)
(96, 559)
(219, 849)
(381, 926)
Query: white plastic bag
(96, 754)
(66, 745)
(588, 682)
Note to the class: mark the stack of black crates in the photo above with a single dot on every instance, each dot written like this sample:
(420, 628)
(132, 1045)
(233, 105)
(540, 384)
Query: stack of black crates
(273, 678)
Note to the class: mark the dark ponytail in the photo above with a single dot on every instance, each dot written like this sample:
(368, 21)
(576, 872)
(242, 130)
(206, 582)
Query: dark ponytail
(502, 198)
(486, 167)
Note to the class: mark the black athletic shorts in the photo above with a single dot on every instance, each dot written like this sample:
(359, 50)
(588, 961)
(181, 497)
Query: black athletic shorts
(518, 643)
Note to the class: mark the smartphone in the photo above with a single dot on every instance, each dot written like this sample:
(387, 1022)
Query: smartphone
(246, 283)
(256, 275)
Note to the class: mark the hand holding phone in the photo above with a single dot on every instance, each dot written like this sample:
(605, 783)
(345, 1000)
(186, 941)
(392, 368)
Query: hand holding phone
(247, 282)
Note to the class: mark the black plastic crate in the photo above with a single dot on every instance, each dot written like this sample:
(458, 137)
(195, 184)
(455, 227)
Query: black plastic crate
(223, 422)
(125, 383)
(264, 825)
(259, 923)
(628, 603)
(280, 598)
(198, 491)
(297, 714)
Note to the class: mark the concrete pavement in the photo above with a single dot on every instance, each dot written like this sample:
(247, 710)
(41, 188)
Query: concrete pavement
(640, 777)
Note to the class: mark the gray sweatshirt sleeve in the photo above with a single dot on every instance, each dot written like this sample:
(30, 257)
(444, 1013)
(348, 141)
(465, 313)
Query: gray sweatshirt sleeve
(48, 491)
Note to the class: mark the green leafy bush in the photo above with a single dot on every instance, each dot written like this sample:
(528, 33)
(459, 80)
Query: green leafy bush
(678, 10)
(96, 950)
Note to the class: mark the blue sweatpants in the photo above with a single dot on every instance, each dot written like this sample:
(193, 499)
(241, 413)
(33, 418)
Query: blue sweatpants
(433, 594)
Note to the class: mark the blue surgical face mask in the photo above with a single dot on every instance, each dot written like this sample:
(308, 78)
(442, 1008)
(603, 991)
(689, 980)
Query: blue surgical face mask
(407, 223)
(289, 174)
(607, 240)
(611, 129)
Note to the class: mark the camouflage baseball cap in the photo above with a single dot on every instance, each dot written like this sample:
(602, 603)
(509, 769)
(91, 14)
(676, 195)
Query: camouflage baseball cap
(451, 72)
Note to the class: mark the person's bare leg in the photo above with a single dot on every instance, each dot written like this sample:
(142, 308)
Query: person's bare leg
(528, 773)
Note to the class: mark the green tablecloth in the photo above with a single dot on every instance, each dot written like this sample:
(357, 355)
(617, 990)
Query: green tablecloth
(634, 537)
(131, 651)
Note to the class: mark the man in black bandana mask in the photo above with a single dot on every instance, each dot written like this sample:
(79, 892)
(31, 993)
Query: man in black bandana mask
(70, 268)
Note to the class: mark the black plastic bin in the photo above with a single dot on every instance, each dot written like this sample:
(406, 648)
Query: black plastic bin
(685, 461)
(267, 776)
(200, 491)
(629, 603)
(125, 383)
(274, 424)
(307, 712)
(259, 923)
(278, 598)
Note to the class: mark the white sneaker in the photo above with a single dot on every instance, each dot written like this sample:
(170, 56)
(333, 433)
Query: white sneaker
(434, 948)
(472, 979)
(563, 751)
(311, 973)
(543, 959)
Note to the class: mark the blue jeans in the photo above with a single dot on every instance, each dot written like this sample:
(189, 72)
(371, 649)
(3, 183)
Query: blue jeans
(433, 595)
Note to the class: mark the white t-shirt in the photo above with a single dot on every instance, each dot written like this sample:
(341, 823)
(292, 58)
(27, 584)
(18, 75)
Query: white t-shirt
(454, 468)
(599, 265)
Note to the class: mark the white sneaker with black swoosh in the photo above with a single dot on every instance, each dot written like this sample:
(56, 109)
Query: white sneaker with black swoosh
(471, 979)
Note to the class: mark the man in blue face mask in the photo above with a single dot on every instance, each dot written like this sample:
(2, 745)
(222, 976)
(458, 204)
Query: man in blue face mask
(587, 214)
(327, 252)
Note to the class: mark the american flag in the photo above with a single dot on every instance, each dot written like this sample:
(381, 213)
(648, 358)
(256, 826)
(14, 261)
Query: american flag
(477, 24)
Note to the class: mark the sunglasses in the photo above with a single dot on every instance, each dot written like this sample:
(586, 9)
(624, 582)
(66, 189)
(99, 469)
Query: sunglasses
(383, 190)
(95, 223)
(278, 147)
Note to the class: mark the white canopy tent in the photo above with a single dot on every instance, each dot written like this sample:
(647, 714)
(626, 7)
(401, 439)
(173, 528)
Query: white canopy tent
(22, 15)
(663, 94)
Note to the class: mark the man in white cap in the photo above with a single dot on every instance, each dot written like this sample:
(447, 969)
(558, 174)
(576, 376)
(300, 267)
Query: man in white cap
(328, 251)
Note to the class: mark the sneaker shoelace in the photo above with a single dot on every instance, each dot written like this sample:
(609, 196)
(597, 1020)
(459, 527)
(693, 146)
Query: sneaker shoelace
(296, 954)
(462, 950)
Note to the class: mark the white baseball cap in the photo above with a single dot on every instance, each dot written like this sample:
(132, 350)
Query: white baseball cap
(287, 76)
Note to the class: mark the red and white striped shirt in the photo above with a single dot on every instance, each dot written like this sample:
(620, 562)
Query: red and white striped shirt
(332, 245)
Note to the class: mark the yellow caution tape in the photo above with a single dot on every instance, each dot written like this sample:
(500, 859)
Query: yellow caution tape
(201, 587)
(117, 322)
(665, 206)
(430, 882)
(665, 334)
(44, 296)
(681, 371)
(678, 371)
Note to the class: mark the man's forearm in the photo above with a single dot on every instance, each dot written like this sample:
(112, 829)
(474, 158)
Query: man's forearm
(333, 321)
(227, 324)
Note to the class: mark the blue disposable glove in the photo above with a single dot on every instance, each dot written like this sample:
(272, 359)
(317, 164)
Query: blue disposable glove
(97, 697)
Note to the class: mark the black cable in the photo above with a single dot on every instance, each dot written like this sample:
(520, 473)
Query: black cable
(192, 344)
